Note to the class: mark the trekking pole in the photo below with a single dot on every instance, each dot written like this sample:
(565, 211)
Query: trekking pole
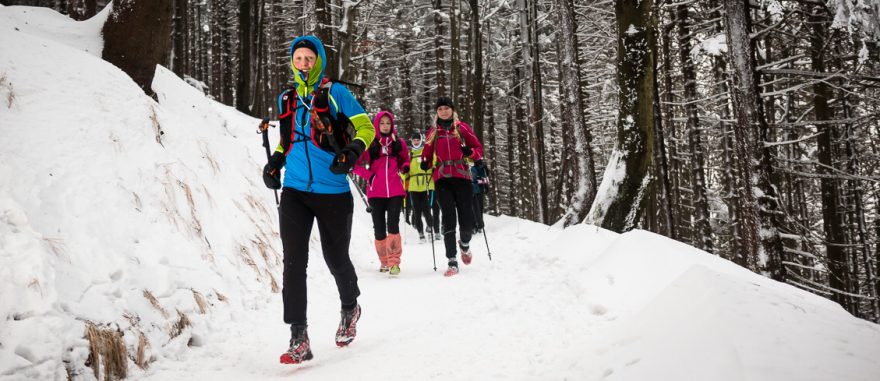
(360, 192)
(487, 242)
(433, 254)
(264, 129)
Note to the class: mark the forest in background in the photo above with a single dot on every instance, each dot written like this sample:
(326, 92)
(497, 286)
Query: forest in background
(748, 129)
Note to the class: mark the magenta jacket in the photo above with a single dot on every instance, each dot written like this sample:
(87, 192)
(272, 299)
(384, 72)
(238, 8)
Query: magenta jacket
(450, 161)
(383, 174)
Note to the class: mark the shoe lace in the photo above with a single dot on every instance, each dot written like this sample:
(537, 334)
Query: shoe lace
(347, 317)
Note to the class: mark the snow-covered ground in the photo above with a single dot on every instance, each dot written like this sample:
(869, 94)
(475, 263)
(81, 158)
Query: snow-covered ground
(107, 196)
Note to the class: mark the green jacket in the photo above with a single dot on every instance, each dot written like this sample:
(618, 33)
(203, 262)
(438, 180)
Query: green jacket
(418, 180)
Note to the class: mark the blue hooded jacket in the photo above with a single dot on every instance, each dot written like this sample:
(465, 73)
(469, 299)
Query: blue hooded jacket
(307, 165)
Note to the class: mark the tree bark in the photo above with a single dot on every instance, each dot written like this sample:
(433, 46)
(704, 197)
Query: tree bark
(455, 53)
(439, 67)
(178, 52)
(838, 277)
(129, 51)
(583, 190)
(703, 229)
(621, 196)
(752, 162)
(478, 85)
(243, 85)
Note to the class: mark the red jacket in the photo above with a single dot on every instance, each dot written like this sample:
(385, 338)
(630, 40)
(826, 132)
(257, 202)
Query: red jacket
(447, 147)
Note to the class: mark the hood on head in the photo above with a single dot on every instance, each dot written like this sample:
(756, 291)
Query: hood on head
(311, 83)
(379, 117)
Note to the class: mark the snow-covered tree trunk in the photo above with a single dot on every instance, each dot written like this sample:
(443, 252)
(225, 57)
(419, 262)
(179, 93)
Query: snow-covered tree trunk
(627, 180)
(345, 41)
(536, 116)
(702, 228)
(131, 52)
(831, 213)
(760, 236)
(584, 190)
(667, 155)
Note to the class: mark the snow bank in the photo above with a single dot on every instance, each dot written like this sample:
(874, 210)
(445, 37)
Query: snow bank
(680, 313)
(115, 209)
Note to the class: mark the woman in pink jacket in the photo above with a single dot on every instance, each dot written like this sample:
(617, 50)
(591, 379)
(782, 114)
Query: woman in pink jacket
(381, 165)
(449, 142)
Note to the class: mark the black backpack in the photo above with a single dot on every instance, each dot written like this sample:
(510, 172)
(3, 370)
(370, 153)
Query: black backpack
(330, 131)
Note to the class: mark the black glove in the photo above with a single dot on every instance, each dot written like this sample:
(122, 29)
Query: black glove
(466, 151)
(374, 151)
(424, 165)
(272, 170)
(396, 147)
(345, 160)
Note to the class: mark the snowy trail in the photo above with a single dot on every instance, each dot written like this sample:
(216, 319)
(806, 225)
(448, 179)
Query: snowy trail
(419, 325)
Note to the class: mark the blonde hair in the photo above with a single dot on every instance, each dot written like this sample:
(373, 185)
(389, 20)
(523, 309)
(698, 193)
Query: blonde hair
(455, 131)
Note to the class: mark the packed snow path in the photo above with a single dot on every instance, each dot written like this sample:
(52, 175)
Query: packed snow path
(583, 303)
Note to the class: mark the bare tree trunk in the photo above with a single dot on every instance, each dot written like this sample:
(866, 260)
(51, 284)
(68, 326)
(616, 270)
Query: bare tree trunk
(324, 31)
(621, 196)
(831, 214)
(345, 41)
(703, 230)
(217, 81)
(478, 84)
(243, 85)
(512, 109)
(662, 169)
(531, 69)
(178, 52)
(228, 97)
(764, 254)
(670, 167)
(455, 52)
(578, 149)
(439, 67)
(132, 53)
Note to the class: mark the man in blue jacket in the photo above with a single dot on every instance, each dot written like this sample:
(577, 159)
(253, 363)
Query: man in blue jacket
(317, 152)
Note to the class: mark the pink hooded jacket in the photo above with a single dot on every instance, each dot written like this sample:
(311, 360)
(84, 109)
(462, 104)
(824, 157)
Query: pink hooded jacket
(383, 174)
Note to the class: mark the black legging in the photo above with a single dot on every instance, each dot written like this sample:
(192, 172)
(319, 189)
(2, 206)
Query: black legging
(419, 201)
(435, 210)
(381, 207)
(478, 211)
(297, 213)
(455, 196)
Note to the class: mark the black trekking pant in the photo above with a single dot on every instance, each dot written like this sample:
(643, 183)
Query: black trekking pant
(435, 210)
(381, 207)
(420, 207)
(455, 197)
(478, 211)
(297, 213)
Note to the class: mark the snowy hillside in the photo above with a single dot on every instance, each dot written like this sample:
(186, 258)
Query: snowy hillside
(150, 219)
(109, 201)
